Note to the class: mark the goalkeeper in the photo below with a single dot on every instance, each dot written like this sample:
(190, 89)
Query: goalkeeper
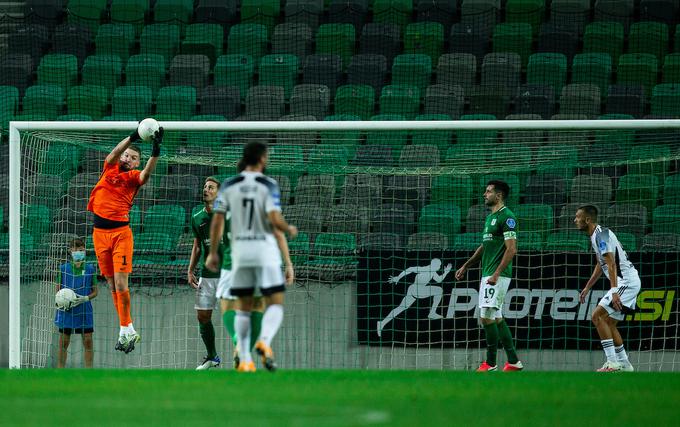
(110, 202)
(79, 276)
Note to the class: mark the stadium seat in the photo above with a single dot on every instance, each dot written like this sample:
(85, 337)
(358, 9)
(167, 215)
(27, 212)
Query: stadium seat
(591, 189)
(455, 189)
(381, 39)
(334, 249)
(264, 12)
(639, 189)
(464, 156)
(347, 138)
(407, 189)
(559, 159)
(286, 160)
(169, 219)
(400, 100)
(424, 38)
(393, 12)
(513, 37)
(323, 70)
(309, 219)
(641, 154)
(638, 68)
(362, 190)
(470, 39)
(447, 100)
(89, 100)
(43, 100)
(394, 218)
(593, 68)
(72, 39)
(153, 247)
(666, 100)
(671, 68)
(660, 242)
(44, 12)
(36, 220)
(175, 12)
(666, 219)
(482, 14)
(439, 138)
(467, 242)
(570, 14)
(373, 155)
(419, 156)
(626, 99)
(348, 219)
(248, 39)
(414, 70)
(535, 99)
(146, 70)
(659, 11)
(265, 102)
(279, 70)
(427, 241)
(649, 37)
(178, 100)
(520, 142)
(529, 241)
(325, 158)
(46, 189)
(9, 103)
(457, 69)
(292, 38)
(579, 98)
(189, 70)
(529, 11)
(315, 190)
(548, 69)
(235, 70)
(16, 70)
(355, 99)
(353, 12)
(103, 70)
(310, 100)
(132, 100)
(204, 39)
(620, 11)
(87, 13)
(493, 100)
(130, 12)
(440, 218)
(472, 138)
(115, 39)
(58, 69)
(671, 190)
(367, 69)
(441, 11)
(336, 39)
(307, 12)
(161, 39)
(627, 218)
(567, 241)
(545, 188)
(555, 38)
(501, 69)
(604, 37)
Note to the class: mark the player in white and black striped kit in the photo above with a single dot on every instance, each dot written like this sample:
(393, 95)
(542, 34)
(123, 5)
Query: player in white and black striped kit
(257, 242)
(625, 286)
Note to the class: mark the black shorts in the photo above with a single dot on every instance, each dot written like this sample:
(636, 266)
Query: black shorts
(69, 331)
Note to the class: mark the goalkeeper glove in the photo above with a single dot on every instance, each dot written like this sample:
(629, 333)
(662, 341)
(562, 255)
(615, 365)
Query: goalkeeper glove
(157, 140)
(134, 136)
(80, 299)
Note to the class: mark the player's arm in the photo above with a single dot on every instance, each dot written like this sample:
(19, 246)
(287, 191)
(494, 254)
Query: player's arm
(81, 299)
(280, 223)
(613, 279)
(193, 262)
(597, 273)
(156, 141)
(508, 255)
(474, 259)
(216, 232)
(118, 150)
(285, 255)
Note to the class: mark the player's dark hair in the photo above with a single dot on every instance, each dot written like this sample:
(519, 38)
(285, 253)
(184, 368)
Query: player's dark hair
(591, 211)
(76, 243)
(501, 187)
(136, 148)
(212, 179)
(252, 154)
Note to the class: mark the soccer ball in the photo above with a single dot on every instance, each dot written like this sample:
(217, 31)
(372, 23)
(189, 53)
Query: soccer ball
(147, 128)
(65, 299)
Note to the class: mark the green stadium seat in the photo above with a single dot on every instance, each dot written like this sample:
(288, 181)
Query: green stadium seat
(204, 39)
(393, 139)
(115, 39)
(638, 68)
(513, 37)
(286, 160)
(132, 100)
(335, 249)
(424, 155)
(153, 247)
(604, 37)
(347, 138)
(525, 11)
(514, 156)
(641, 189)
(412, 69)
(169, 219)
(477, 137)
(512, 180)
(89, 100)
(400, 99)
(666, 100)
(36, 220)
(9, 103)
(248, 39)
(649, 37)
(129, 12)
(568, 241)
(456, 189)
(336, 39)
(440, 218)
(324, 159)
(392, 12)
(74, 118)
(355, 99)
(467, 242)
(666, 219)
(58, 69)
(177, 100)
(43, 100)
(425, 38)
(628, 241)
(534, 217)
(559, 159)
(671, 190)
(175, 12)
(86, 13)
(235, 70)
(671, 68)
(660, 242)
(592, 68)
(547, 69)
(146, 70)
(439, 138)
(529, 241)
(103, 70)
(640, 156)
(279, 70)
(265, 12)
(299, 249)
(581, 98)
(475, 219)
(160, 39)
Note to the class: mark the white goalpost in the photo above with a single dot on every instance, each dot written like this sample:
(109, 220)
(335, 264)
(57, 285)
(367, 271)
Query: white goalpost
(371, 199)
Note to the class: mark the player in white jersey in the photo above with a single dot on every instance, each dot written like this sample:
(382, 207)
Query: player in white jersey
(256, 224)
(621, 297)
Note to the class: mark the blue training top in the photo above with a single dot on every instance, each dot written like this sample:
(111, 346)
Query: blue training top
(79, 317)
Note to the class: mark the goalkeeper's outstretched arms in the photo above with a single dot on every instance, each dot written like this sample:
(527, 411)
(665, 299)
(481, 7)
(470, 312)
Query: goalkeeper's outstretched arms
(123, 145)
(156, 141)
(474, 259)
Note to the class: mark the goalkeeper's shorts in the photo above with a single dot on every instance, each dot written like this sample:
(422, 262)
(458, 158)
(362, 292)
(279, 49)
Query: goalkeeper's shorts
(114, 250)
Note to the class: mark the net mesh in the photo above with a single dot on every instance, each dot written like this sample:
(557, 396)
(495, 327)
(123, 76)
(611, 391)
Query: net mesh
(371, 205)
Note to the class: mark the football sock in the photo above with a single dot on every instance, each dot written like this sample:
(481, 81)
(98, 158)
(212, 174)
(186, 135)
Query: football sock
(271, 321)
(506, 339)
(208, 337)
(242, 327)
(608, 347)
(621, 354)
(255, 327)
(228, 320)
(124, 308)
(114, 297)
(491, 331)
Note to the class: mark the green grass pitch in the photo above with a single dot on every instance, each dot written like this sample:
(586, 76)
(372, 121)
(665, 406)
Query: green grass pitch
(336, 398)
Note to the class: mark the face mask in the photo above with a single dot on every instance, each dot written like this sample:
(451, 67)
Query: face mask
(78, 255)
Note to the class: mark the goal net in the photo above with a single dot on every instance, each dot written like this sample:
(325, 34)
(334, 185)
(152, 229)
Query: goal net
(372, 201)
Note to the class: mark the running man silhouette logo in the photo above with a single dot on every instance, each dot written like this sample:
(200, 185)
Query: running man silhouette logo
(419, 289)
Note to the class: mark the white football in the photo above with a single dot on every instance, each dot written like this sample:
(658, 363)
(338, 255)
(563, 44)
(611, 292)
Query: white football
(147, 128)
(65, 298)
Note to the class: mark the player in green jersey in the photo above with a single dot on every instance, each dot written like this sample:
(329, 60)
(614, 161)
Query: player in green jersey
(499, 246)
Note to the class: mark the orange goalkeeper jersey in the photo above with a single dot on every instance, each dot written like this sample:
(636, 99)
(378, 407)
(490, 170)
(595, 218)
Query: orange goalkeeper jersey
(112, 197)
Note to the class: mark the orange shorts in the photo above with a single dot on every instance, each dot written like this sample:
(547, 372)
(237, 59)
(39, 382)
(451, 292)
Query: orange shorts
(114, 250)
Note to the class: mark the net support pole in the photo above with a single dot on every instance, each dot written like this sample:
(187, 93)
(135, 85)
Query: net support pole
(14, 248)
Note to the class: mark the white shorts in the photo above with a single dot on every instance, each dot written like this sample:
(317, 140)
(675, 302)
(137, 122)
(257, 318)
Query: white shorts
(628, 291)
(246, 281)
(206, 294)
(493, 296)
